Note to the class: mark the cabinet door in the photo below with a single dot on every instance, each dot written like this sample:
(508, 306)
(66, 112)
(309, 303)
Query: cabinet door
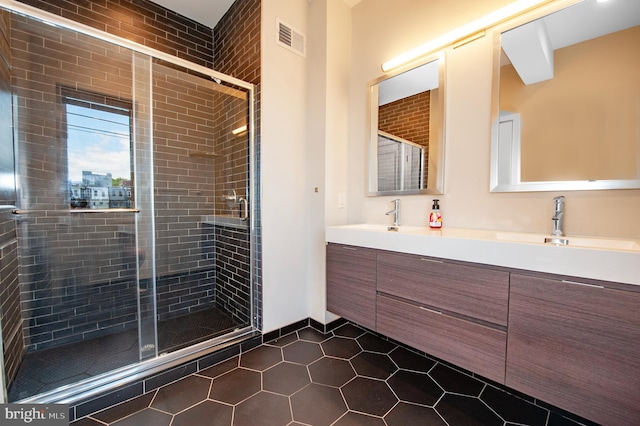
(473, 346)
(577, 347)
(471, 291)
(351, 283)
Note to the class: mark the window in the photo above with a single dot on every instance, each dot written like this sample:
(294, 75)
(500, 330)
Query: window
(98, 137)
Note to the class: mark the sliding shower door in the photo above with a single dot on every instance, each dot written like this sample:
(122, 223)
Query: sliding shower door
(132, 212)
(76, 221)
(201, 154)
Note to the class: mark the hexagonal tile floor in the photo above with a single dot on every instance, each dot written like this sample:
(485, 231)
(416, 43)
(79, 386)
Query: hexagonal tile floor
(344, 378)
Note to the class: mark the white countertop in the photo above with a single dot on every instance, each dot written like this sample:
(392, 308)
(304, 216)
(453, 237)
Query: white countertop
(511, 250)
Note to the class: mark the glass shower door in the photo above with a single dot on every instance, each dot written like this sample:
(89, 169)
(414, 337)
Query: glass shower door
(78, 190)
(133, 215)
(202, 239)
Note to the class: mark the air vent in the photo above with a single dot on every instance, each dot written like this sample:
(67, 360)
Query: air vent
(289, 38)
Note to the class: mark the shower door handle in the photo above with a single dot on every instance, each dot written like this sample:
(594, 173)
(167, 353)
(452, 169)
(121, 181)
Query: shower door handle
(245, 208)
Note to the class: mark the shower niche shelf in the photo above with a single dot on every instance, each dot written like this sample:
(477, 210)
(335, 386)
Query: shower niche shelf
(203, 154)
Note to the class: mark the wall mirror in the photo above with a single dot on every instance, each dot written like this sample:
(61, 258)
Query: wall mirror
(406, 131)
(566, 99)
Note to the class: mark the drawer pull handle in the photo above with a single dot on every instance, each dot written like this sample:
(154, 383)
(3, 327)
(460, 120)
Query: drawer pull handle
(430, 310)
(431, 260)
(582, 284)
(350, 248)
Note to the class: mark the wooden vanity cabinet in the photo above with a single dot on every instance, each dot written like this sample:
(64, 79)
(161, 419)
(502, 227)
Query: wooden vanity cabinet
(453, 311)
(476, 292)
(576, 346)
(475, 347)
(351, 283)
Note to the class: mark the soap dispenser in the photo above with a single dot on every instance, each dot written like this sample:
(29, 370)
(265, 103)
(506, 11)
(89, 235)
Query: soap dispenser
(435, 217)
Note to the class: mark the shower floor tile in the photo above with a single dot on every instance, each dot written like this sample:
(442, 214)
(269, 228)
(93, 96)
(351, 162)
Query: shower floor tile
(360, 380)
(48, 369)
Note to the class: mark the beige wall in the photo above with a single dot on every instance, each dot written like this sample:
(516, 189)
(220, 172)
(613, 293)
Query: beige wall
(383, 29)
(583, 123)
(283, 167)
(304, 143)
(314, 135)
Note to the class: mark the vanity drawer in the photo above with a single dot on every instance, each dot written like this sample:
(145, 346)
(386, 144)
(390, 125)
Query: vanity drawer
(472, 346)
(351, 283)
(476, 292)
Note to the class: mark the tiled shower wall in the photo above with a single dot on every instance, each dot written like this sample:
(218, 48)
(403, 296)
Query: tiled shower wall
(232, 279)
(76, 269)
(141, 21)
(187, 127)
(79, 268)
(236, 40)
(9, 285)
(10, 296)
(174, 34)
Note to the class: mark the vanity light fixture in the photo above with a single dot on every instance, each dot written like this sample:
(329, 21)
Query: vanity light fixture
(474, 27)
(239, 130)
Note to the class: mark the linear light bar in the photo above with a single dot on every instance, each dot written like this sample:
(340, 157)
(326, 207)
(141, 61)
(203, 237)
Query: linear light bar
(466, 30)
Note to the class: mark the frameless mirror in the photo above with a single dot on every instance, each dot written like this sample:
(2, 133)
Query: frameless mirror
(566, 100)
(406, 131)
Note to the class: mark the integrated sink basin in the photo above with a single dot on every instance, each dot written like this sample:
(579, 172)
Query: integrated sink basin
(610, 259)
(419, 230)
(504, 236)
(584, 242)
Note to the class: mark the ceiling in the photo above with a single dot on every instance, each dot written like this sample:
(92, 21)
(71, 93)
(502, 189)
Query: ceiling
(208, 12)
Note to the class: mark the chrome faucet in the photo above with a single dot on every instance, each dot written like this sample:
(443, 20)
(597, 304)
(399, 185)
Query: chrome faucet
(558, 217)
(396, 215)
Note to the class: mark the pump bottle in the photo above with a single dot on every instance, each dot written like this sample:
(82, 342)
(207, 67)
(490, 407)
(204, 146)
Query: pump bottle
(435, 217)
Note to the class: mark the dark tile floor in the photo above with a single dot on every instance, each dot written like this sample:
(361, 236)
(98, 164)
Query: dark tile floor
(42, 371)
(346, 377)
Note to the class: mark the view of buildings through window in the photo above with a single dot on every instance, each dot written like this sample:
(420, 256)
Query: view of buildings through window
(98, 153)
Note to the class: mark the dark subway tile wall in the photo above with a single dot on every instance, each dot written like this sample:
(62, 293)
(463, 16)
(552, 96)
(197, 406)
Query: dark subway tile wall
(232, 280)
(78, 268)
(9, 284)
(56, 262)
(186, 292)
(67, 261)
(141, 21)
(231, 169)
(236, 40)
(10, 297)
(41, 66)
(195, 156)
(183, 122)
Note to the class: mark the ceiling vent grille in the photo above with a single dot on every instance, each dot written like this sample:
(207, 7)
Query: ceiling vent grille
(289, 38)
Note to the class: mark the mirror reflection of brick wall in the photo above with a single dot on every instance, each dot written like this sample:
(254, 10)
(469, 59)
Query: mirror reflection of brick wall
(408, 118)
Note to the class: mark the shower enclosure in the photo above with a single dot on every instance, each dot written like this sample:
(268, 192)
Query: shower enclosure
(126, 223)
